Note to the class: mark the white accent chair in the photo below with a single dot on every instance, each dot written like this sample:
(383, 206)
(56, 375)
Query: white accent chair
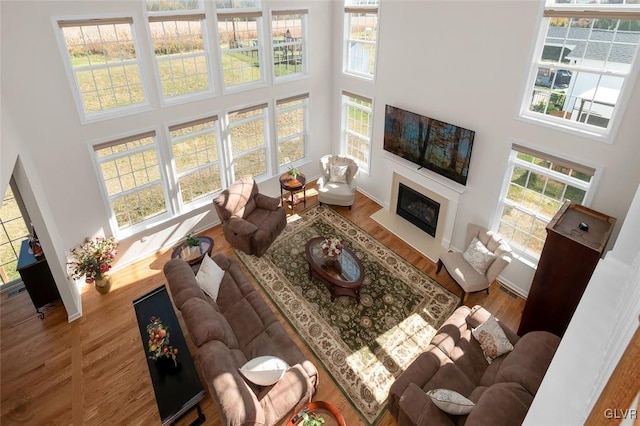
(338, 183)
(466, 275)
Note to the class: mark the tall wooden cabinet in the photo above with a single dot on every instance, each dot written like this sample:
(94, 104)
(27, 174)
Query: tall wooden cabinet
(37, 278)
(568, 259)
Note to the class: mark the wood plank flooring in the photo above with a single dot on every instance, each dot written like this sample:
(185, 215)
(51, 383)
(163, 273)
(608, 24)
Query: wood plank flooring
(93, 371)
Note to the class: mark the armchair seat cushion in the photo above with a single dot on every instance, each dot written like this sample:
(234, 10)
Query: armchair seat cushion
(337, 185)
(464, 274)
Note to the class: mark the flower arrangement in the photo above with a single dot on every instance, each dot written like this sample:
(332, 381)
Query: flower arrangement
(93, 258)
(159, 341)
(331, 247)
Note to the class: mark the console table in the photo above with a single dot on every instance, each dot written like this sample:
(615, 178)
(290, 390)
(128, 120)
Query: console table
(37, 278)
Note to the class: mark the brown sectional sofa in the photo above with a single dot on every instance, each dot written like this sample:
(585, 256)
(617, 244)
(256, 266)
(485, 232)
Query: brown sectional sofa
(236, 329)
(502, 390)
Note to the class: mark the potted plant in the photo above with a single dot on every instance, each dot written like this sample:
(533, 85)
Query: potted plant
(293, 172)
(92, 260)
(192, 244)
(312, 419)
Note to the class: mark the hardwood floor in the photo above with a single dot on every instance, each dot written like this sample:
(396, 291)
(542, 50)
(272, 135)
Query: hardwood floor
(93, 370)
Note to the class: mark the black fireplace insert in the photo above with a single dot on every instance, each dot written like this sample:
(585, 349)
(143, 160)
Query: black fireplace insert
(418, 209)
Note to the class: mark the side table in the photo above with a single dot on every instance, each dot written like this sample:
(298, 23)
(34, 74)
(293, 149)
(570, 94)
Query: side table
(194, 257)
(326, 410)
(294, 185)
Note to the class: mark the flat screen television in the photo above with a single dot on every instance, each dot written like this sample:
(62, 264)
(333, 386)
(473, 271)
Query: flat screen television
(438, 146)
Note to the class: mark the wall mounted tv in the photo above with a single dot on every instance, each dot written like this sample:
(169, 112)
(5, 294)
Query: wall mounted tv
(441, 147)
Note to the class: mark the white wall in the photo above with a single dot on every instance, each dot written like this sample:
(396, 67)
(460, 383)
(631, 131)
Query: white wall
(465, 62)
(37, 92)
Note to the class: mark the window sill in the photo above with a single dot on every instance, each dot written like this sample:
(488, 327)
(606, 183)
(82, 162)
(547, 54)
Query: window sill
(600, 137)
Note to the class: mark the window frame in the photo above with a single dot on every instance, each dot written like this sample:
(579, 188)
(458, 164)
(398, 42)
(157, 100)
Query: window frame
(208, 54)
(352, 8)
(513, 162)
(104, 114)
(344, 148)
(304, 45)
(26, 220)
(305, 133)
(594, 11)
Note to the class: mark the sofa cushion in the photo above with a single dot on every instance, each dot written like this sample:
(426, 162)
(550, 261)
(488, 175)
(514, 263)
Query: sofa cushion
(450, 402)
(209, 277)
(264, 370)
(492, 339)
(182, 282)
(503, 404)
(450, 376)
(205, 323)
(529, 360)
(478, 256)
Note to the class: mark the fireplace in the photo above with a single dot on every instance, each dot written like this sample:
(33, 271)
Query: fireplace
(418, 209)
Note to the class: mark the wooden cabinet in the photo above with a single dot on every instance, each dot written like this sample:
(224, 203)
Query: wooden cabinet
(37, 278)
(569, 257)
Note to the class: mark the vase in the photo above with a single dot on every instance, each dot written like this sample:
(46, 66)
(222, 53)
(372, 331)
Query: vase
(103, 285)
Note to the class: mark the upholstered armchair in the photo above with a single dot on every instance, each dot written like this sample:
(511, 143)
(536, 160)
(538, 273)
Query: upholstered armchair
(250, 220)
(337, 185)
(487, 254)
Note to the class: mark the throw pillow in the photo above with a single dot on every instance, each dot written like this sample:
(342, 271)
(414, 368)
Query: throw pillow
(264, 370)
(209, 277)
(478, 256)
(338, 174)
(450, 402)
(492, 339)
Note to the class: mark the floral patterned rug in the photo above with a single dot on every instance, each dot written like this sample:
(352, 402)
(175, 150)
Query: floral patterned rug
(363, 346)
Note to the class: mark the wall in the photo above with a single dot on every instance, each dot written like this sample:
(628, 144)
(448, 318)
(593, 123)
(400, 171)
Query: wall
(465, 62)
(37, 92)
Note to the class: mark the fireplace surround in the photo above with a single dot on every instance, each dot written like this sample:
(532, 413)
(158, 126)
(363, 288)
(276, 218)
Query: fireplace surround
(418, 209)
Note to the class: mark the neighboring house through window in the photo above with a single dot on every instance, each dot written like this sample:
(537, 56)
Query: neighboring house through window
(360, 37)
(356, 128)
(583, 66)
(536, 185)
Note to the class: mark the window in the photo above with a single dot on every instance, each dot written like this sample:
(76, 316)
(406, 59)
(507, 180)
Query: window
(538, 184)
(583, 65)
(289, 46)
(356, 124)
(248, 137)
(194, 146)
(13, 230)
(102, 56)
(181, 49)
(291, 129)
(133, 181)
(240, 48)
(361, 32)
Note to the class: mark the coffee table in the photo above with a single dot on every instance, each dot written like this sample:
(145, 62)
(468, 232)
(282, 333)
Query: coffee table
(195, 255)
(293, 185)
(343, 277)
(178, 392)
(326, 410)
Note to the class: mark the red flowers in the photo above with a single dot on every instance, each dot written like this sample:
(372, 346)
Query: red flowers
(93, 258)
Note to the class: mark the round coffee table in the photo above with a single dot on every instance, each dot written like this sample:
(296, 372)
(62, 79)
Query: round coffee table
(327, 411)
(195, 255)
(294, 185)
(343, 276)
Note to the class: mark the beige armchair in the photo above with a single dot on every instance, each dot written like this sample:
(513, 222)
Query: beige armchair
(250, 220)
(476, 268)
(338, 183)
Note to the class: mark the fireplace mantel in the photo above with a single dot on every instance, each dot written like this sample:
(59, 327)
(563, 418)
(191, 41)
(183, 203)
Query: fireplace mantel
(447, 195)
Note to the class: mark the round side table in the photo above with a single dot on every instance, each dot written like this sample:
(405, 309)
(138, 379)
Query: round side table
(326, 410)
(294, 185)
(194, 256)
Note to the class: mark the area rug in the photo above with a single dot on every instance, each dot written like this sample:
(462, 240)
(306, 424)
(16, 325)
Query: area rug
(364, 346)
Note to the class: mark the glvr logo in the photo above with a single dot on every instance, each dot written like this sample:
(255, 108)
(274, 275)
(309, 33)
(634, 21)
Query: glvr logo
(617, 413)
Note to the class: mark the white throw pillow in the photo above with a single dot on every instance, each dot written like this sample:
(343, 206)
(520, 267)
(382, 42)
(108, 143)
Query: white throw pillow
(478, 256)
(492, 339)
(451, 402)
(338, 174)
(264, 370)
(209, 277)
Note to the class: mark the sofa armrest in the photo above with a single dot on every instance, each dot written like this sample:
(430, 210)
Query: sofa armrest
(293, 388)
(266, 202)
(417, 409)
(240, 227)
(478, 315)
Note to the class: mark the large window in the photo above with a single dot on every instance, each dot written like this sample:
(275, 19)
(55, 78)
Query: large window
(537, 186)
(289, 43)
(132, 177)
(13, 230)
(248, 137)
(361, 33)
(240, 48)
(181, 49)
(196, 159)
(583, 65)
(291, 129)
(103, 58)
(357, 125)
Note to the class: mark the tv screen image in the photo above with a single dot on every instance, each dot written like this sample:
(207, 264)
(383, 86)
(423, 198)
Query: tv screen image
(438, 146)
